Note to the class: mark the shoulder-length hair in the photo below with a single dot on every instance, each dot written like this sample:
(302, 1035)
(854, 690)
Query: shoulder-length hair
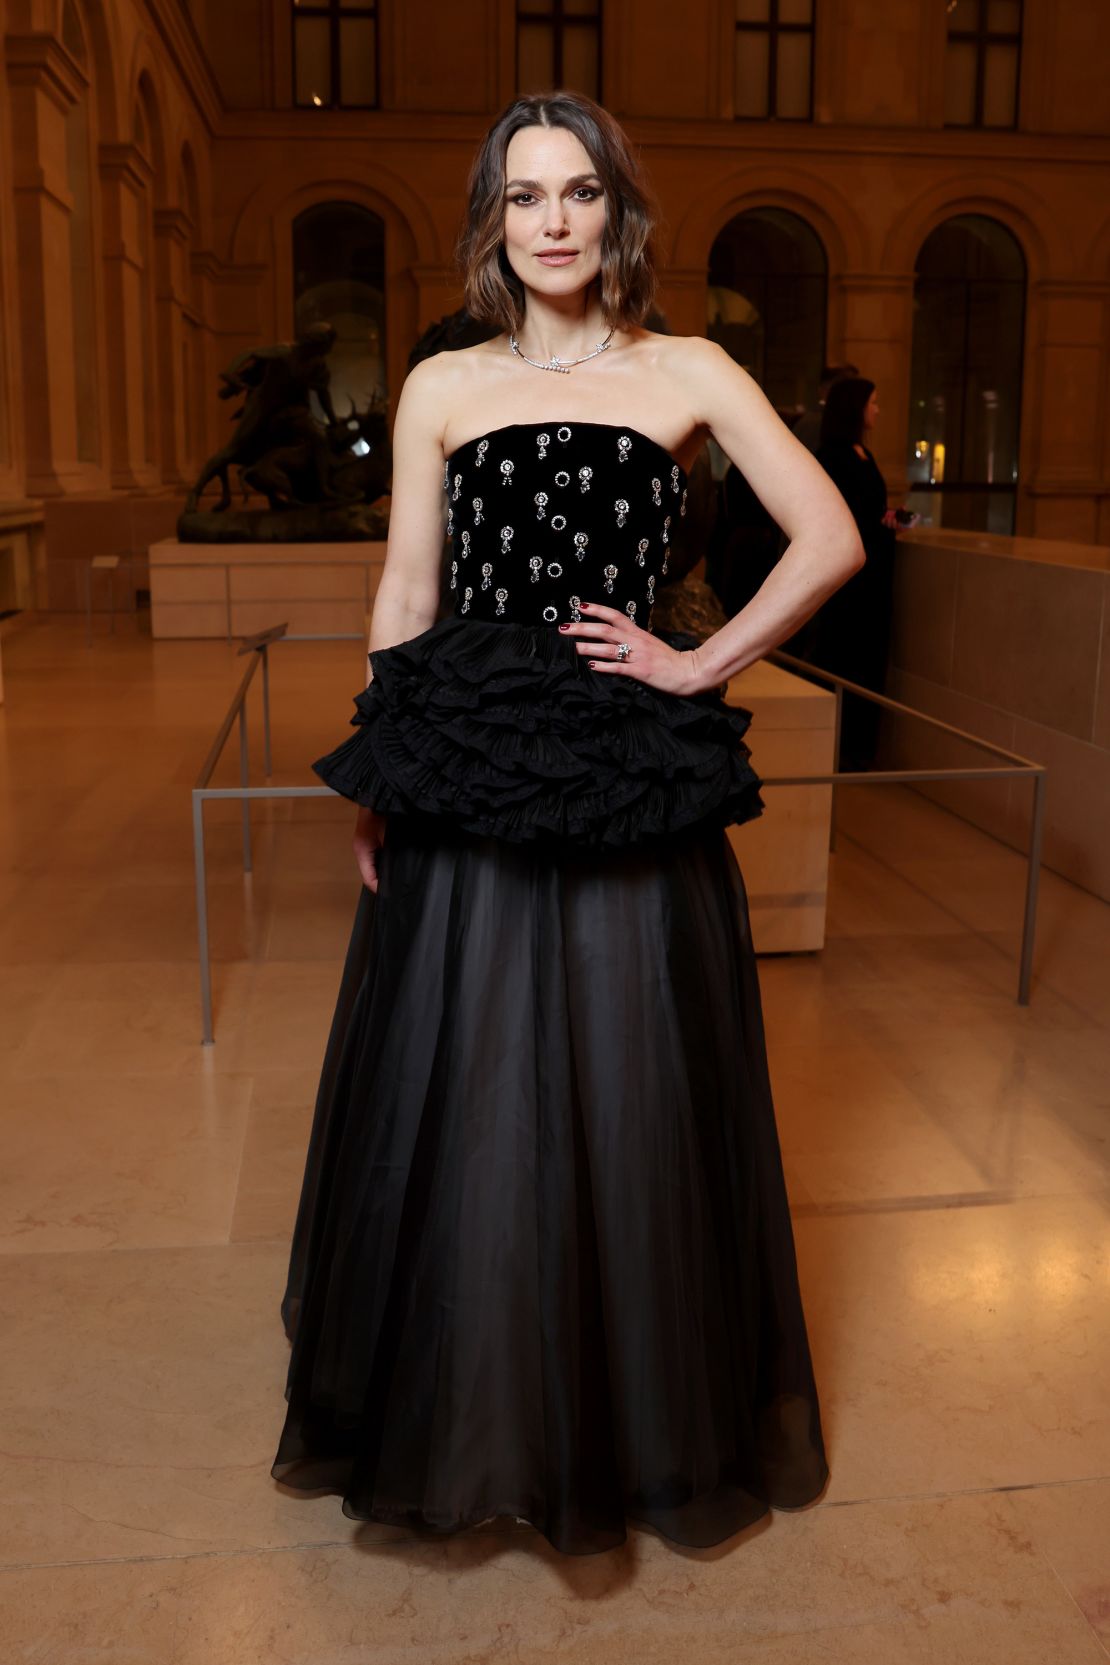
(842, 417)
(629, 252)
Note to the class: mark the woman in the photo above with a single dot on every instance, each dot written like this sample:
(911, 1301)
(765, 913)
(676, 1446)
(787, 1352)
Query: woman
(543, 1263)
(851, 633)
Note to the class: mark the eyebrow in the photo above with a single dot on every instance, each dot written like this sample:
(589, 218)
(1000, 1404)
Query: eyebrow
(534, 184)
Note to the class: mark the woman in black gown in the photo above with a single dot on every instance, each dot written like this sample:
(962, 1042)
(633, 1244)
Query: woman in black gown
(543, 1264)
(850, 634)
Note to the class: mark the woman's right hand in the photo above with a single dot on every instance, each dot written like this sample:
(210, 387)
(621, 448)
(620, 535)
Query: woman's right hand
(368, 840)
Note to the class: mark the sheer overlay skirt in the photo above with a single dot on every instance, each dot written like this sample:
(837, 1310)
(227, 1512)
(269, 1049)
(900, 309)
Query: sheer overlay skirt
(543, 1263)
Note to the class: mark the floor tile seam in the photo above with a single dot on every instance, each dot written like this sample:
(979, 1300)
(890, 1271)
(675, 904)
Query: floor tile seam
(1072, 1599)
(1006, 1490)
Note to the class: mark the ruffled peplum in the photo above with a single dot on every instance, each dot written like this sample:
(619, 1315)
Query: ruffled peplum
(504, 731)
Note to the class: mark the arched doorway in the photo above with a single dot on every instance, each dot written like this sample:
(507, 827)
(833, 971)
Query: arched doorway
(339, 278)
(768, 282)
(966, 374)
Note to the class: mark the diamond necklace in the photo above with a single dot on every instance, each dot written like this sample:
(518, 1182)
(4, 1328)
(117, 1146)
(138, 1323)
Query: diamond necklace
(556, 363)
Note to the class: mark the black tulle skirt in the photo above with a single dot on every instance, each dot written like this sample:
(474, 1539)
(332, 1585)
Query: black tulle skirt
(543, 1263)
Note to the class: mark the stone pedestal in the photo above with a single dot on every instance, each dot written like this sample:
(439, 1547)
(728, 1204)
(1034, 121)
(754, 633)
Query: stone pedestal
(784, 855)
(237, 589)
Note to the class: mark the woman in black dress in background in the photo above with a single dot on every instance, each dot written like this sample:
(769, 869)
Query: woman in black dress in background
(850, 634)
(543, 1264)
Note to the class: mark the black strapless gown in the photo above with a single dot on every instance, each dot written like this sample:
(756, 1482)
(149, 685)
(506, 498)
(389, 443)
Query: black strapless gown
(543, 1264)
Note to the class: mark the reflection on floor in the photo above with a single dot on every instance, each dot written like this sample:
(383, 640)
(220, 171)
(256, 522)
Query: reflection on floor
(948, 1159)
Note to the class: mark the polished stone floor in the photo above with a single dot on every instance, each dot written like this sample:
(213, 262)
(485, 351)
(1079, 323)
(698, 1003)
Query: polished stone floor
(948, 1160)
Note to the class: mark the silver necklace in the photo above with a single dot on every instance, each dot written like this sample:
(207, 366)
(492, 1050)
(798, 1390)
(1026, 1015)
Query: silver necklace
(555, 362)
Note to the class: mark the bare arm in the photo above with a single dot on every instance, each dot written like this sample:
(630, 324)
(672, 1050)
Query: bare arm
(408, 591)
(824, 548)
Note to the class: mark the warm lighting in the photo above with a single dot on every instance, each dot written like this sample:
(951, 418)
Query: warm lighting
(318, 101)
(936, 472)
(920, 448)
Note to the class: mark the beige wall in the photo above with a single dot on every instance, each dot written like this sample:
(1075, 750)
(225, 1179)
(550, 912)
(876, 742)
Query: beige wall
(199, 165)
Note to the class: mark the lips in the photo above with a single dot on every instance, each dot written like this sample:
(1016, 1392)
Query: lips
(560, 257)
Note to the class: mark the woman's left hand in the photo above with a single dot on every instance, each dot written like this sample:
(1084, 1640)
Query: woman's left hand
(650, 659)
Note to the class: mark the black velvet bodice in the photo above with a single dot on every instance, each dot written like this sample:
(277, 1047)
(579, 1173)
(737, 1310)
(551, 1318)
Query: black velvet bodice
(545, 515)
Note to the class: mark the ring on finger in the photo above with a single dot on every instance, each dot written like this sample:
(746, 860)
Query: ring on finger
(624, 651)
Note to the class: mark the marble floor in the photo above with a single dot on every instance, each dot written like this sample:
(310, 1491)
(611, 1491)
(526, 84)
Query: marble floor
(948, 1161)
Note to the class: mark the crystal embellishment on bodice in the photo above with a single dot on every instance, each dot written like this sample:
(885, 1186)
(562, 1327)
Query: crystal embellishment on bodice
(543, 516)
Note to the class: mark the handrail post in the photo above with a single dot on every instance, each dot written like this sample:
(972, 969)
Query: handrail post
(207, 1032)
(1032, 885)
(267, 754)
(837, 720)
(244, 780)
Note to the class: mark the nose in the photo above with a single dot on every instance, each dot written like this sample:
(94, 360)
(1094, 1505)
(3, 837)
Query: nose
(555, 224)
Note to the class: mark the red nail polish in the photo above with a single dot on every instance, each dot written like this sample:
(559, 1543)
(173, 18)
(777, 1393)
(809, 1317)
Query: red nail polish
(592, 663)
(564, 627)
(583, 605)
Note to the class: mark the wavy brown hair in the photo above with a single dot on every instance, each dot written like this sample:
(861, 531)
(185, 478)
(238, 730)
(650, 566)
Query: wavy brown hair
(493, 292)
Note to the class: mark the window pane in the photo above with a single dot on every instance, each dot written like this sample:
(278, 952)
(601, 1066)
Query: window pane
(535, 47)
(964, 15)
(579, 8)
(959, 83)
(752, 54)
(544, 6)
(357, 46)
(753, 11)
(313, 60)
(792, 91)
(795, 11)
(580, 60)
(1004, 16)
(1000, 86)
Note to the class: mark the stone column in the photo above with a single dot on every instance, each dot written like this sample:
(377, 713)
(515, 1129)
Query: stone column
(1063, 413)
(126, 177)
(171, 288)
(44, 83)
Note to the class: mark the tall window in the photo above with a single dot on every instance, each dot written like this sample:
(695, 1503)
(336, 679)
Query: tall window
(558, 44)
(966, 371)
(767, 282)
(339, 278)
(335, 54)
(774, 59)
(981, 63)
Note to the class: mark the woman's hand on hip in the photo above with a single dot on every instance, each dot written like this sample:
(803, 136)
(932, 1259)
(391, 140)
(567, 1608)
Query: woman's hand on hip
(368, 840)
(602, 629)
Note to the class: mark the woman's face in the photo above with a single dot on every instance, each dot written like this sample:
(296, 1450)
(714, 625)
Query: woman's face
(871, 409)
(553, 206)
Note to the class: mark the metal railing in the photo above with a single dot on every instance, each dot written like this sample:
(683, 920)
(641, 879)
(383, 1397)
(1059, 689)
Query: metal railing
(258, 646)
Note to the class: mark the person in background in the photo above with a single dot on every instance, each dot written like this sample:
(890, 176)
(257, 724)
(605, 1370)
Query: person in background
(808, 426)
(850, 632)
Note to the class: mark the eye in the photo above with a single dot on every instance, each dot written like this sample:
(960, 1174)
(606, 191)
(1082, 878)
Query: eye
(521, 197)
(589, 190)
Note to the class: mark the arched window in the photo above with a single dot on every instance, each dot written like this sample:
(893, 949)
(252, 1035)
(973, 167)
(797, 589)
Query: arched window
(965, 380)
(339, 278)
(768, 278)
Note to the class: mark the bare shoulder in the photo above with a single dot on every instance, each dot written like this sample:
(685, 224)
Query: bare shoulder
(448, 381)
(706, 374)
